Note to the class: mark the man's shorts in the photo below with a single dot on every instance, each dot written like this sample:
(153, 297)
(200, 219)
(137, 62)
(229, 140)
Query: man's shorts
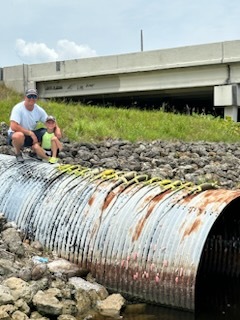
(28, 140)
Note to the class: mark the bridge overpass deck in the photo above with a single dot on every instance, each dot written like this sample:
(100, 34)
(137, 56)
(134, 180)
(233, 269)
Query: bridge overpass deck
(209, 70)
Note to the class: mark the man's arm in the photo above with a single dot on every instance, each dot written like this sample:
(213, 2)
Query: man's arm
(16, 127)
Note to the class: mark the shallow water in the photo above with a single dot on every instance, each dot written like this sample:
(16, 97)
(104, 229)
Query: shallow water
(217, 299)
(226, 312)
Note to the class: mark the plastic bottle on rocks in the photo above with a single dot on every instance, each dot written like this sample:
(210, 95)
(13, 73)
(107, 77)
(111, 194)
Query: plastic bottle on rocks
(37, 259)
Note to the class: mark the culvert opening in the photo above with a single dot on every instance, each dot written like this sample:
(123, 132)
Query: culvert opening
(218, 283)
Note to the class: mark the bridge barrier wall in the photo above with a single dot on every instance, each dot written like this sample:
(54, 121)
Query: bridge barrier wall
(182, 57)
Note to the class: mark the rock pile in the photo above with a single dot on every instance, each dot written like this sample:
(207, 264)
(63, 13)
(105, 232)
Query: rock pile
(196, 162)
(37, 285)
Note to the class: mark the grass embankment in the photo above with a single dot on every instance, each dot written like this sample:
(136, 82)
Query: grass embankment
(92, 123)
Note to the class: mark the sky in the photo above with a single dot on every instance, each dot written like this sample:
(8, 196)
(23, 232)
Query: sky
(39, 31)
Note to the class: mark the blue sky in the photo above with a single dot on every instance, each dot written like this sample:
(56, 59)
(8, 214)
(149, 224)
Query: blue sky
(51, 30)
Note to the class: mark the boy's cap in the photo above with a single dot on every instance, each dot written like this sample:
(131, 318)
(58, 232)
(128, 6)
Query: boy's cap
(31, 91)
(50, 118)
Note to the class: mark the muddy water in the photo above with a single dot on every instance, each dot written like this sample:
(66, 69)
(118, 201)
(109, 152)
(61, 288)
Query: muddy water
(157, 313)
(217, 299)
(226, 312)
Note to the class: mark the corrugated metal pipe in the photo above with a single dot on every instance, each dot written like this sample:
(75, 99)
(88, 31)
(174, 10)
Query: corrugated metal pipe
(149, 239)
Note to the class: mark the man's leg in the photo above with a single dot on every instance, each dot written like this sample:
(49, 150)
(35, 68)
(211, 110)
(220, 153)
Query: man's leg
(17, 143)
(36, 148)
(39, 151)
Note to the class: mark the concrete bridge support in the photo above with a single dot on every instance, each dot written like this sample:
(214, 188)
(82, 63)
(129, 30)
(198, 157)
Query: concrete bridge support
(229, 97)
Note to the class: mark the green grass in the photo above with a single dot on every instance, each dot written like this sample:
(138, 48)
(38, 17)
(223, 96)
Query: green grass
(81, 122)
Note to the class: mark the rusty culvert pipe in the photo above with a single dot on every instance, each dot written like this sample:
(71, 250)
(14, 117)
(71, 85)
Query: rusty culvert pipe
(145, 238)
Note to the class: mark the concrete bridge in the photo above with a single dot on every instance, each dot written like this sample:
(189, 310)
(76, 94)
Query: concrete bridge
(208, 71)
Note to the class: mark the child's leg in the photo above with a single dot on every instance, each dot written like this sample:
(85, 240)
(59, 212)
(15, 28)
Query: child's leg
(54, 147)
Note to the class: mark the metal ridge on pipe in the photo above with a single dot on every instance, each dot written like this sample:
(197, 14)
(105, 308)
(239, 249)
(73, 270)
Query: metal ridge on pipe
(140, 236)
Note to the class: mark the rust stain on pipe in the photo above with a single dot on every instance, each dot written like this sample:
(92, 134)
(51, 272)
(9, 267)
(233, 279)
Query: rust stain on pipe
(145, 238)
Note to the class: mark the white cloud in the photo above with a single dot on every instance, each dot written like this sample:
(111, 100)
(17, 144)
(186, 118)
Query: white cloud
(70, 50)
(33, 52)
(61, 30)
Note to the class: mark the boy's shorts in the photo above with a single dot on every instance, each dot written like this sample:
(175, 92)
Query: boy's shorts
(28, 140)
(48, 152)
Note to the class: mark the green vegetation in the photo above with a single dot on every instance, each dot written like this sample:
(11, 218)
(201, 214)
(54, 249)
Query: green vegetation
(81, 122)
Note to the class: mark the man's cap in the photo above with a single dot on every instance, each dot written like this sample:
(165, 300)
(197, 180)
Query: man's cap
(50, 118)
(31, 91)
